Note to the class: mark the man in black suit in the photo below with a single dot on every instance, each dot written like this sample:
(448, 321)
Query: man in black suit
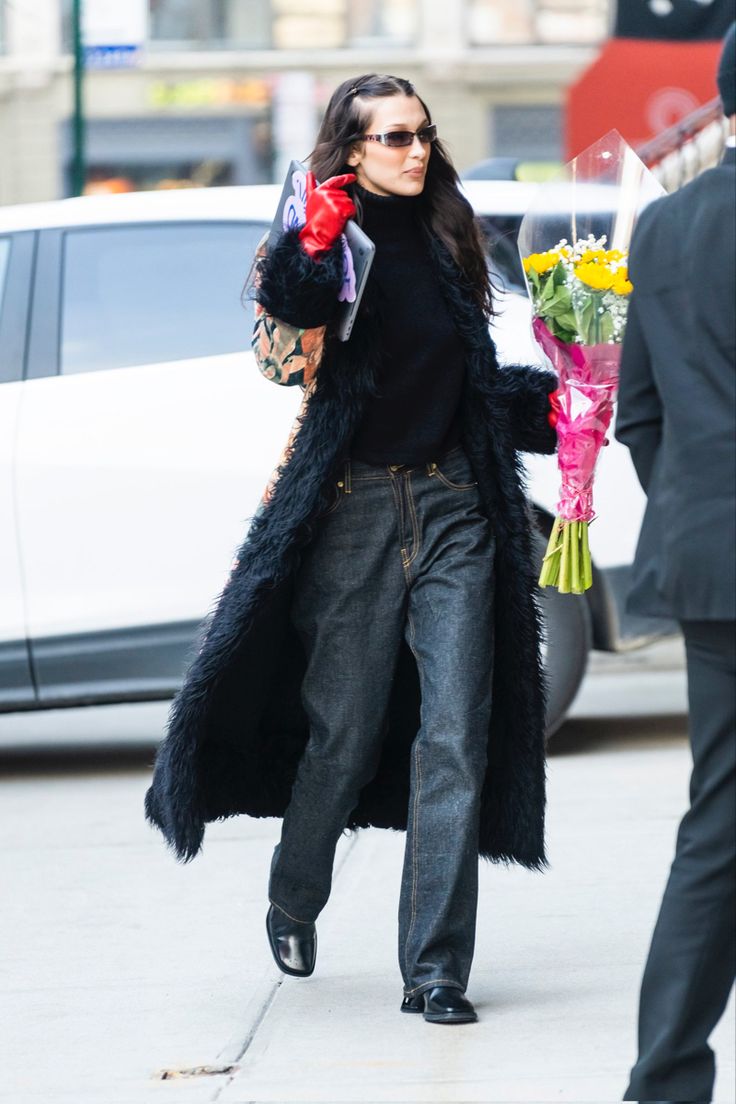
(677, 415)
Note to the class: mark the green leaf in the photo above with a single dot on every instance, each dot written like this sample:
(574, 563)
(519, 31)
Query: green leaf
(587, 320)
(559, 274)
(548, 290)
(568, 320)
(558, 307)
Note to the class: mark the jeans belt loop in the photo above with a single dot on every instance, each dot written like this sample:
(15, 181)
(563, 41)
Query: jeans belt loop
(348, 478)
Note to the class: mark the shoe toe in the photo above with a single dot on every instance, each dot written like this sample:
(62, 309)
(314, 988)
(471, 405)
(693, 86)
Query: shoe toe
(444, 1004)
(293, 945)
(297, 954)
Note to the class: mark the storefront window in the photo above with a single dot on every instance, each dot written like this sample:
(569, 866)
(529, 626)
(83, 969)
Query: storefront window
(393, 21)
(235, 24)
(501, 22)
(270, 24)
(176, 151)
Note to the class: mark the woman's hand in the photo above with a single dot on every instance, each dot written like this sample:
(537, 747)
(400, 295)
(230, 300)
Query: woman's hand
(328, 208)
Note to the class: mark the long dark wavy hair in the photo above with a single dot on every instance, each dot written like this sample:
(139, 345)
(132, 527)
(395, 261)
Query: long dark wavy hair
(444, 210)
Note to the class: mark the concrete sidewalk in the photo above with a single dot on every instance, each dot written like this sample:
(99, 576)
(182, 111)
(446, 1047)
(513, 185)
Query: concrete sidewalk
(121, 966)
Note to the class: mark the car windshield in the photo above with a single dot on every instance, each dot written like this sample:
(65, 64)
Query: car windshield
(500, 233)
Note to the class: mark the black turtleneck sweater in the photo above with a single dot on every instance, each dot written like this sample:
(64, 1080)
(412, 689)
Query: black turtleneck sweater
(415, 416)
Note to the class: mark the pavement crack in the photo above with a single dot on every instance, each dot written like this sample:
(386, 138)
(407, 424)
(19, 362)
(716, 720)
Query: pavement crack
(247, 1042)
(234, 1066)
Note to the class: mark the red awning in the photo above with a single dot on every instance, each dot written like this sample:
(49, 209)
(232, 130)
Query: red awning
(641, 88)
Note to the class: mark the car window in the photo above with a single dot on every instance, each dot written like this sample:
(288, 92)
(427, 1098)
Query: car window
(4, 257)
(145, 294)
(501, 232)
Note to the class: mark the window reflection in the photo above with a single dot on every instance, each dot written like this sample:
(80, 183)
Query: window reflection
(207, 23)
(281, 24)
(492, 22)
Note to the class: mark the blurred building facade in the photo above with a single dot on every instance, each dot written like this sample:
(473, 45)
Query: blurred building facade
(228, 91)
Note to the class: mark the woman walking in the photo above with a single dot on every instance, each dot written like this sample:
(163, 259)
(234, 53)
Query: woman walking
(373, 658)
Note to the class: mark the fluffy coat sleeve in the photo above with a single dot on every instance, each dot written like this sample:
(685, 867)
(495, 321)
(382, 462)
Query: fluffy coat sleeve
(525, 392)
(289, 284)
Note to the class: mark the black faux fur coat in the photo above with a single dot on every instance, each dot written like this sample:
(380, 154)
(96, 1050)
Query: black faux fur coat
(237, 727)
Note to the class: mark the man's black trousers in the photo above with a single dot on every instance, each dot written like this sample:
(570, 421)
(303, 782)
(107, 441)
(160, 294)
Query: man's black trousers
(692, 959)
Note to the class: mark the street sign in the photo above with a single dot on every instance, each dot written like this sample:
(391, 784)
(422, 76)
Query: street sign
(113, 33)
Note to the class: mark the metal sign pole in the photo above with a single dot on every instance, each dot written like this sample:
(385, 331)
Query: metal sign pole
(79, 167)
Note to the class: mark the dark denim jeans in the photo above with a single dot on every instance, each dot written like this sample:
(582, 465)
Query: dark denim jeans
(401, 551)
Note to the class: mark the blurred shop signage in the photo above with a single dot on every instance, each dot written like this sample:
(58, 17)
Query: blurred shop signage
(639, 87)
(113, 33)
(657, 69)
(219, 92)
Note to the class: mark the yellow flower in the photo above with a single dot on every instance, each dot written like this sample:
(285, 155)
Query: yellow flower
(541, 262)
(595, 275)
(591, 255)
(621, 283)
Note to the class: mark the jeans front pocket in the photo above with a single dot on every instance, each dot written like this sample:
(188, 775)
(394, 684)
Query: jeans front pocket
(455, 472)
(336, 494)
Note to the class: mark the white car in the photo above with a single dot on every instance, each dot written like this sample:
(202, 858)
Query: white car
(136, 437)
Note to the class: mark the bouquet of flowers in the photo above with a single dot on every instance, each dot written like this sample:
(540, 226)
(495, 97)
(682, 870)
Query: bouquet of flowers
(574, 244)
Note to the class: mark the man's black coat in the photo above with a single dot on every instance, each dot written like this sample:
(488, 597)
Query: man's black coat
(677, 398)
(237, 727)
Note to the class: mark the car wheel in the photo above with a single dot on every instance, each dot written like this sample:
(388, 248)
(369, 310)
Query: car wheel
(566, 642)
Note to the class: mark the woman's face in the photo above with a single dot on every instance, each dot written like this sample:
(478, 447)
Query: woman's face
(393, 171)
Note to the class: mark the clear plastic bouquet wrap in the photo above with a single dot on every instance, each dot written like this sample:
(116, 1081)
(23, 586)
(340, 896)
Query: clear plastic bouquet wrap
(574, 245)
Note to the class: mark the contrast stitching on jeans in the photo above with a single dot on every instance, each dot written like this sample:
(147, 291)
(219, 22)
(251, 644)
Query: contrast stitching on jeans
(296, 921)
(454, 486)
(415, 857)
(431, 984)
(399, 506)
(415, 833)
(415, 523)
(364, 478)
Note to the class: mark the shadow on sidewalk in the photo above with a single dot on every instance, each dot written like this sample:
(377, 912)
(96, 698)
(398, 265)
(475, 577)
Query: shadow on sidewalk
(586, 736)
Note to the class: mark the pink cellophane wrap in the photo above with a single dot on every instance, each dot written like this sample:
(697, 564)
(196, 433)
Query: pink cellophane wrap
(588, 376)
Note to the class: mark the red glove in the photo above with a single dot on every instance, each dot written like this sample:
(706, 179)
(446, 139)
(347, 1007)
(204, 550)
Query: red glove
(554, 407)
(328, 209)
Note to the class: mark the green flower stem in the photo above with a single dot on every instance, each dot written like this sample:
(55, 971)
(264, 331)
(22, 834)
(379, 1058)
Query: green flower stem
(567, 564)
(575, 557)
(587, 563)
(564, 584)
(550, 572)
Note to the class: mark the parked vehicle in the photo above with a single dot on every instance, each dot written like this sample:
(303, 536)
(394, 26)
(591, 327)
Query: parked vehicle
(136, 437)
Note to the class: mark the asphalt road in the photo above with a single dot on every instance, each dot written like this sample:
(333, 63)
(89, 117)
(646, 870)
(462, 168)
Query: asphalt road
(127, 978)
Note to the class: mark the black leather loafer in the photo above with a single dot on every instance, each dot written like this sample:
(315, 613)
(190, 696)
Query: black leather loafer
(293, 944)
(443, 1004)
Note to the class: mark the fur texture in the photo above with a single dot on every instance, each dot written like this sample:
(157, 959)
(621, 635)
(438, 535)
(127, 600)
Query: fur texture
(237, 728)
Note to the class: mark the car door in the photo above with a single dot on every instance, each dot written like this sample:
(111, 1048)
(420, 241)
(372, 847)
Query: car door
(16, 259)
(146, 437)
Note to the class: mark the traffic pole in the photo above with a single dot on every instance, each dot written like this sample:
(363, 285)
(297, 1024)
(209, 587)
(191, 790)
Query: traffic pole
(79, 166)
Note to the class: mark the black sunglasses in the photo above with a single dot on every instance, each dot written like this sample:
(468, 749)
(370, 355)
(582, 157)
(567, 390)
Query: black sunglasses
(395, 138)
